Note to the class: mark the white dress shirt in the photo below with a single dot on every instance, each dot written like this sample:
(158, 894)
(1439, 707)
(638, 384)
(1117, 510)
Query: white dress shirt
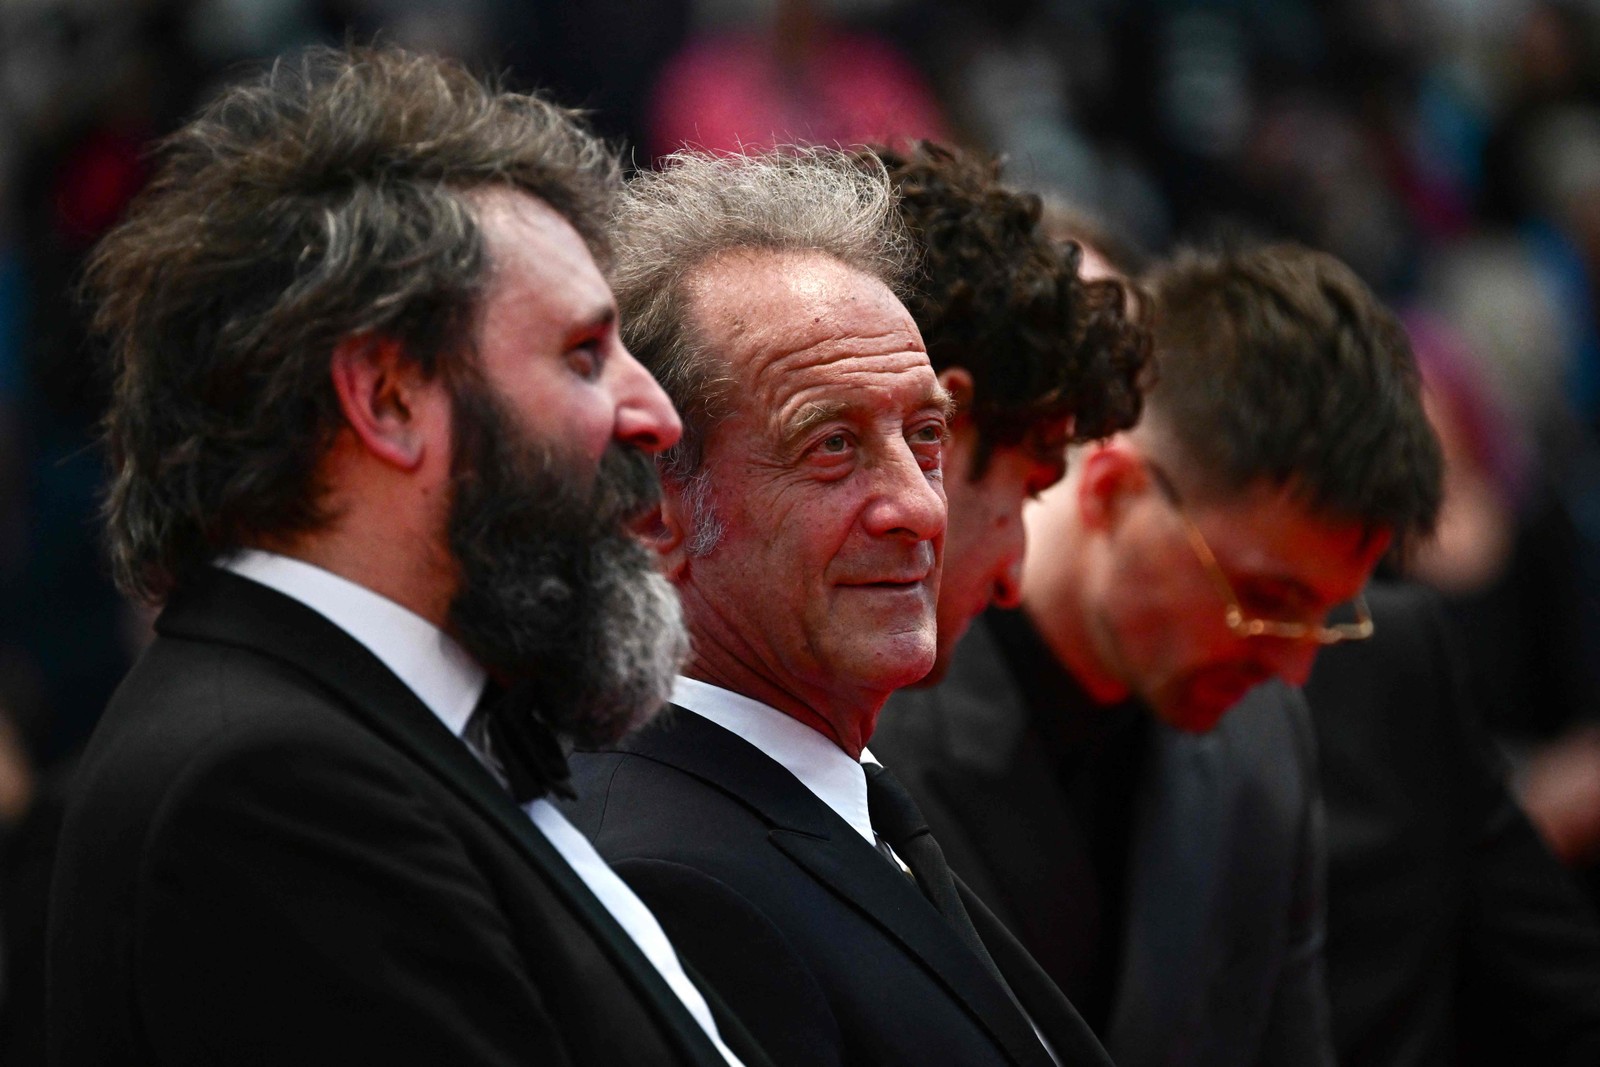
(449, 682)
(820, 764)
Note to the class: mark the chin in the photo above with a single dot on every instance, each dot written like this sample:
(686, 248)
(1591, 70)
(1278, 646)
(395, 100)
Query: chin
(941, 667)
(909, 661)
(943, 655)
(951, 631)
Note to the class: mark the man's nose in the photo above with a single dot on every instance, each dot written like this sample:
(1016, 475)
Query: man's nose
(1008, 585)
(1007, 591)
(906, 503)
(645, 417)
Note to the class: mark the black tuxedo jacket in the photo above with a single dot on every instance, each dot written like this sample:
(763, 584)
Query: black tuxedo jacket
(826, 952)
(1453, 935)
(1221, 954)
(275, 854)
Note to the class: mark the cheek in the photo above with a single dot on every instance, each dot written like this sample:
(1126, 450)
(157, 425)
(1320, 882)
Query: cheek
(598, 428)
(578, 415)
(788, 535)
(985, 524)
(1172, 634)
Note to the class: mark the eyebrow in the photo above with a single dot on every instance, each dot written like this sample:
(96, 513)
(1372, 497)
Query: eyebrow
(811, 416)
(594, 325)
(1290, 591)
(816, 413)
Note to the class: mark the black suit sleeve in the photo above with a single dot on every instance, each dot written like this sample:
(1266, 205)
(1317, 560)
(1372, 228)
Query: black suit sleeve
(298, 898)
(1531, 957)
(1533, 949)
(743, 956)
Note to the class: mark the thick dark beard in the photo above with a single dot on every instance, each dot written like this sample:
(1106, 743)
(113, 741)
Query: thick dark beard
(557, 599)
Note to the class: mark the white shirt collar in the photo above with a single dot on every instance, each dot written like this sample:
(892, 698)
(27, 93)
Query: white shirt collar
(425, 658)
(822, 766)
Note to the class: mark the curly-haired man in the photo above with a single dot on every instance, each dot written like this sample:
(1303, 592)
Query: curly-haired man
(1036, 358)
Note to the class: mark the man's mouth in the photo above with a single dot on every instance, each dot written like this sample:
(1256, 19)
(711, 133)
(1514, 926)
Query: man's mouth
(646, 526)
(898, 581)
(892, 572)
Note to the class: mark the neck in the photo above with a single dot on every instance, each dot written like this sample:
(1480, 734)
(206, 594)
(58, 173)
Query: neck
(847, 725)
(1063, 623)
(411, 579)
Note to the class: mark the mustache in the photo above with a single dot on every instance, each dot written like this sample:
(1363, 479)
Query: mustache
(626, 486)
(889, 563)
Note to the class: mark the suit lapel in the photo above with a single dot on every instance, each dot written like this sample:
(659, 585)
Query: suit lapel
(1181, 830)
(227, 609)
(815, 838)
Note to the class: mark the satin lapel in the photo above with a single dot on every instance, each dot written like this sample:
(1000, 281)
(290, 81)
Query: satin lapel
(1181, 833)
(814, 837)
(231, 610)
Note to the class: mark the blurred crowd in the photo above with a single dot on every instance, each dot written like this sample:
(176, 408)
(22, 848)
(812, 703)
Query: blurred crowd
(1449, 150)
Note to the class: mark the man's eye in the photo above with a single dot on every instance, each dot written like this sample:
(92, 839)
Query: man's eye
(834, 442)
(585, 360)
(931, 434)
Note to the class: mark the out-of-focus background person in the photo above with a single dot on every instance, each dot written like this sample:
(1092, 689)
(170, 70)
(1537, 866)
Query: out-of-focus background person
(1448, 151)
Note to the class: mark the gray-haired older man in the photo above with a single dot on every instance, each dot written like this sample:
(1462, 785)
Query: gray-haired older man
(804, 517)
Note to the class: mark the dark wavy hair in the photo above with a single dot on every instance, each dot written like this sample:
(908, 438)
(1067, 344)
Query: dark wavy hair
(325, 198)
(1001, 299)
(1276, 363)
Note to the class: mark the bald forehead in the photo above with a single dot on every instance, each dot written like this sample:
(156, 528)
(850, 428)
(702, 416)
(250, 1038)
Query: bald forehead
(807, 340)
(749, 288)
(768, 313)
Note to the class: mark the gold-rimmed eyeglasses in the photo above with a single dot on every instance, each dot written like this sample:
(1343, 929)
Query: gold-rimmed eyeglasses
(1240, 624)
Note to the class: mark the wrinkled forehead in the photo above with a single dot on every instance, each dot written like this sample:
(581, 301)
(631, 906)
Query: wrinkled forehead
(801, 332)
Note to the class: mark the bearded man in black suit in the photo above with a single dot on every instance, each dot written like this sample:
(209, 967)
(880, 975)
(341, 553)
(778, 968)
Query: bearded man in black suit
(803, 520)
(380, 452)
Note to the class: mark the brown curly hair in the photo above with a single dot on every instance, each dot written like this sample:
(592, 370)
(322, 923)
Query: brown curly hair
(997, 297)
(326, 197)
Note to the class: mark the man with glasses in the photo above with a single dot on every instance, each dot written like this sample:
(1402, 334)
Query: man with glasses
(1160, 858)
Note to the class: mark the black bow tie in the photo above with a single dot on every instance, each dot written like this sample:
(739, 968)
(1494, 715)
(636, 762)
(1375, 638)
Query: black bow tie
(527, 752)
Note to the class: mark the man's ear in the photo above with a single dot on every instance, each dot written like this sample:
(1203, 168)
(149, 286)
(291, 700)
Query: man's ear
(670, 534)
(1112, 475)
(384, 397)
